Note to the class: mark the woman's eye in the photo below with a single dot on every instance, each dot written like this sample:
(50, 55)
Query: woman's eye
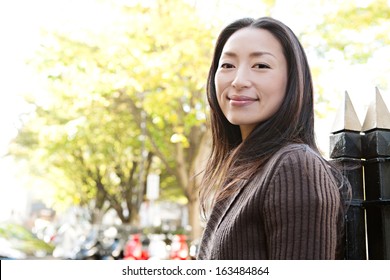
(227, 65)
(261, 66)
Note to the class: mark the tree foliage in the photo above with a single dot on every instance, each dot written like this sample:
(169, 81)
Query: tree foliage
(123, 101)
(357, 28)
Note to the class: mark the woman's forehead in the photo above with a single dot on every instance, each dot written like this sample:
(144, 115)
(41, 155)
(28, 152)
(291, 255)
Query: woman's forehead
(252, 42)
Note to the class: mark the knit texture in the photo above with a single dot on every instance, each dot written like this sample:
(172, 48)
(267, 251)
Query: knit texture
(288, 211)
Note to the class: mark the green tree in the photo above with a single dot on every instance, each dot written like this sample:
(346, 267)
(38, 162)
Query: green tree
(118, 99)
(356, 28)
(94, 143)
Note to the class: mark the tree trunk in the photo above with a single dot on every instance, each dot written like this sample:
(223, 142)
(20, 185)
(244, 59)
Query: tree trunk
(97, 216)
(196, 172)
(194, 219)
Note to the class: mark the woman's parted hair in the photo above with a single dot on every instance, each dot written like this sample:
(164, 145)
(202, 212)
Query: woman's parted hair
(233, 159)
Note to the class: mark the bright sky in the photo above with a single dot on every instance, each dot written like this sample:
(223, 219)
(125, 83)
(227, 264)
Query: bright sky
(20, 22)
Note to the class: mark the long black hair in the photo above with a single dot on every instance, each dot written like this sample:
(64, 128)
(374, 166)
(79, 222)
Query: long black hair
(233, 159)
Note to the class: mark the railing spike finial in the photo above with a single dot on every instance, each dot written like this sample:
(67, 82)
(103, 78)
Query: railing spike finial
(378, 115)
(346, 117)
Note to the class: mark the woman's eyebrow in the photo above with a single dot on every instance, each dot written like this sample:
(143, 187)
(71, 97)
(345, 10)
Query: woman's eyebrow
(253, 54)
(260, 53)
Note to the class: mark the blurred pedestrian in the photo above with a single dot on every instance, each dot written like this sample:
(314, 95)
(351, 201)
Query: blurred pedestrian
(267, 192)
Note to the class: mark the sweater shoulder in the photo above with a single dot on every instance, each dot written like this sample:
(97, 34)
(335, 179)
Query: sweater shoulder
(295, 153)
(301, 150)
(300, 158)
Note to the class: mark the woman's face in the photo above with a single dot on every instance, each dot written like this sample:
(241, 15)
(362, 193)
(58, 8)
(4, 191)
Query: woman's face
(251, 78)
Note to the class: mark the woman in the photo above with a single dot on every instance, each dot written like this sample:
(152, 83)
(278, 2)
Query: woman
(271, 194)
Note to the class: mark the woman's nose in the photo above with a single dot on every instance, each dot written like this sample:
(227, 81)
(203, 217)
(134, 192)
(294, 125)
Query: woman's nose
(241, 79)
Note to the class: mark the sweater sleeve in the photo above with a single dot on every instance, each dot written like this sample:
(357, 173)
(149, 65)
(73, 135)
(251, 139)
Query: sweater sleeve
(300, 209)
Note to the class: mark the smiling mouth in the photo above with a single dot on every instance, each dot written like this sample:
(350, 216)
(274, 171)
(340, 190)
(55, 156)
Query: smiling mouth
(241, 100)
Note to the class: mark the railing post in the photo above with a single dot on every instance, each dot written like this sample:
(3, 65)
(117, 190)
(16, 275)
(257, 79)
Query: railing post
(345, 150)
(376, 151)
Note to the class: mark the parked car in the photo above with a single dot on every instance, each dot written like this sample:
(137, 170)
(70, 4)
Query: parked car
(102, 244)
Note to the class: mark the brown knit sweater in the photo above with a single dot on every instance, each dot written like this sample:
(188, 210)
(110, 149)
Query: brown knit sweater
(288, 211)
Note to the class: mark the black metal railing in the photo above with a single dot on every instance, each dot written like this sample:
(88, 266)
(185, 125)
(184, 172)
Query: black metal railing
(364, 154)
